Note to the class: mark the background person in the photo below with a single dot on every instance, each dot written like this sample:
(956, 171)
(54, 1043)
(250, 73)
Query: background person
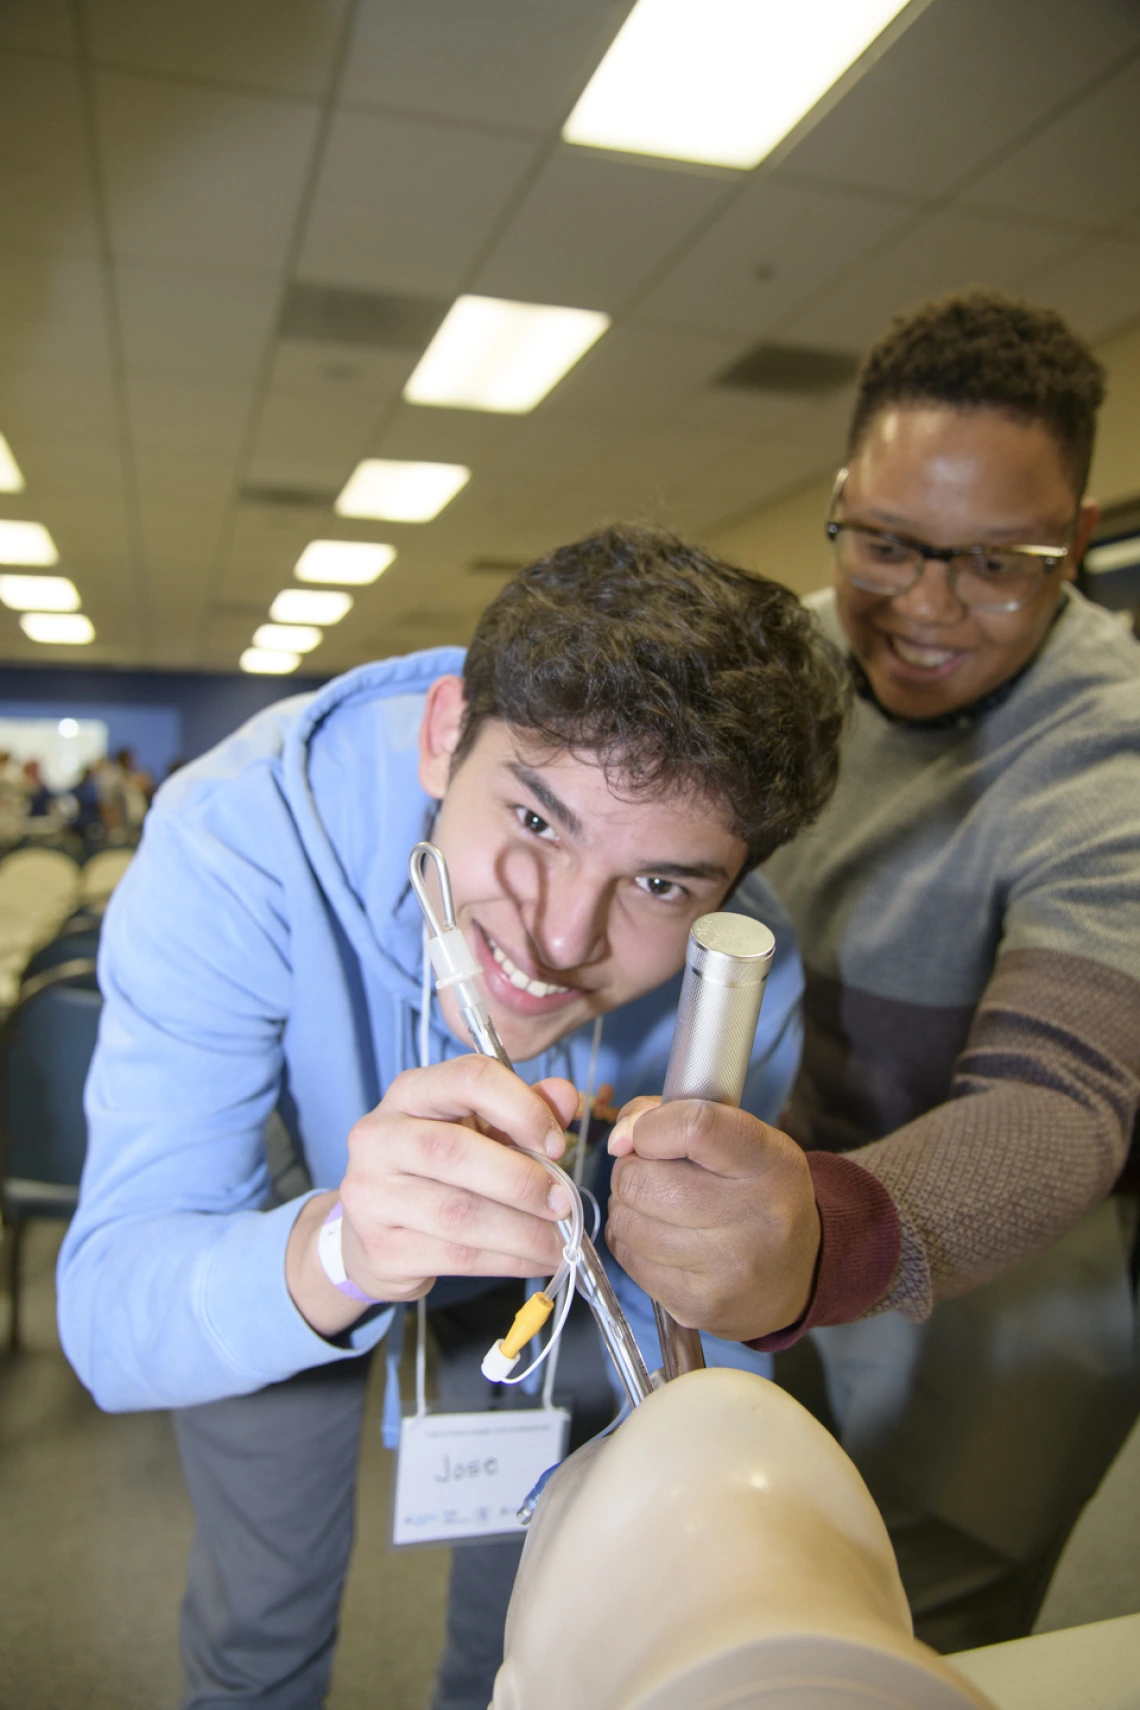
(968, 908)
(596, 781)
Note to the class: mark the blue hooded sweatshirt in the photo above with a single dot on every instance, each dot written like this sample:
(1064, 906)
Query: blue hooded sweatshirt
(264, 952)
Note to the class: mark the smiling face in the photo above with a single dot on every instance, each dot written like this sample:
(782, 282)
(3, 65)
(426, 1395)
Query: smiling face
(573, 899)
(954, 477)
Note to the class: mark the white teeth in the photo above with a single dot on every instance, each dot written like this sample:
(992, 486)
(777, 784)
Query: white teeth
(536, 988)
(915, 654)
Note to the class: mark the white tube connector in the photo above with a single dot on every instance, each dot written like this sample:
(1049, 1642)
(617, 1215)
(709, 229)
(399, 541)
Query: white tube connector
(497, 1366)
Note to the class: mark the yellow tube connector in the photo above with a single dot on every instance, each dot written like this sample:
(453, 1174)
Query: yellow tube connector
(528, 1322)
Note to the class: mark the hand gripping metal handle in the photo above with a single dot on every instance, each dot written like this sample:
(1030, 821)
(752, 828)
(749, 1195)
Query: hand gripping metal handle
(726, 967)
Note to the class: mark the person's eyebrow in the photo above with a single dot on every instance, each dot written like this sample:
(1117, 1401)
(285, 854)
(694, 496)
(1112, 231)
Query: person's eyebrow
(541, 791)
(679, 870)
(1018, 534)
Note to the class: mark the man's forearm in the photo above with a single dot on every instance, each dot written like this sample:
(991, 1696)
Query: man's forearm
(1035, 1134)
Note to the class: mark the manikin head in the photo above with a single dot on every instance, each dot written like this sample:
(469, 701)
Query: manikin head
(718, 1552)
(973, 426)
(637, 724)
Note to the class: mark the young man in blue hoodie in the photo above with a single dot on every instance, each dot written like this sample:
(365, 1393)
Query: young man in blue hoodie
(635, 726)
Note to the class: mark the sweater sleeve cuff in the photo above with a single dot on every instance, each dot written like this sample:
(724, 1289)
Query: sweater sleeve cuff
(860, 1244)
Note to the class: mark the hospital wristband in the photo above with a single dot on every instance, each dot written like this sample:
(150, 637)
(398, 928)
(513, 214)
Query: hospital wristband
(332, 1259)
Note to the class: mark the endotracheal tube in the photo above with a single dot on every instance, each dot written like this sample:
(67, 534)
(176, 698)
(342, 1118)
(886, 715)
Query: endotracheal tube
(455, 966)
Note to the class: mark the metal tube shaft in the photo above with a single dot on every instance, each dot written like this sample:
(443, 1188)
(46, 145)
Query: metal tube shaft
(726, 968)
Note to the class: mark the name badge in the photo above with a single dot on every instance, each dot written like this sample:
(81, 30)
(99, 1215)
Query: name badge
(466, 1475)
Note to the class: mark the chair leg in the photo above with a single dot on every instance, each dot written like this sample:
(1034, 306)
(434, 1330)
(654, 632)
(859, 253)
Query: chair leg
(14, 1241)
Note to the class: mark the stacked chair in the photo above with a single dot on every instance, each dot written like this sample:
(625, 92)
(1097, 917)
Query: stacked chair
(52, 915)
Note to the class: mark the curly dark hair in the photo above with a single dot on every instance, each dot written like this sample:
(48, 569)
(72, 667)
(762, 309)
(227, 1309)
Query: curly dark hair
(671, 667)
(981, 349)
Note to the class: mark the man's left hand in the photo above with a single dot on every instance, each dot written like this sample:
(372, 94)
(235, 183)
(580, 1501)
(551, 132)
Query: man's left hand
(712, 1212)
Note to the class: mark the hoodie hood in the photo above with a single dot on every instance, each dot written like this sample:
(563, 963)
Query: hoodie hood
(350, 773)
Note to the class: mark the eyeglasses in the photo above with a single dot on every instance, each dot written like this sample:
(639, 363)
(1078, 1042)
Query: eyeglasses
(982, 578)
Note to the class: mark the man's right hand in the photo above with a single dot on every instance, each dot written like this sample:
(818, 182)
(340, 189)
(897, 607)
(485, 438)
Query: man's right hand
(432, 1190)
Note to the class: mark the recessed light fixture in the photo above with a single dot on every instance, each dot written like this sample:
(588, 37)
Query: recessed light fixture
(68, 728)
(723, 81)
(400, 492)
(268, 662)
(496, 355)
(39, 593)
(307, 605)
(11, 478)
(288, 637)
(26, 543)
(70, 628)
(354, 561)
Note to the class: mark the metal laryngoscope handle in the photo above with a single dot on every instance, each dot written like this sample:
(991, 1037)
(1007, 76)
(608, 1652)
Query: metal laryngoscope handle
(726, 968)
(592, 1281)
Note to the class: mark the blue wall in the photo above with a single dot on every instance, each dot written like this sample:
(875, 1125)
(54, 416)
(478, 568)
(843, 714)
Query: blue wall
(162, 715)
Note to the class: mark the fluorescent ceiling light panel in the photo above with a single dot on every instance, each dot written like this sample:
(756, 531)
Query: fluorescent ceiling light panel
(306, 605)
(39, 593)
(26, 543)
(720, 81)
(288, 637)
(354, 561)
(269, 663)
(495, 355)
(71, 628)
(400, 492)
(11, 479)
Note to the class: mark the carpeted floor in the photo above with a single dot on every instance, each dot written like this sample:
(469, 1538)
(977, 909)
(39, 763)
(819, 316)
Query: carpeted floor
(95, 1524)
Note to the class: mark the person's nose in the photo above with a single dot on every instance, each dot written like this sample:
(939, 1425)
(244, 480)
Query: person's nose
(569, 922)
(930, 600)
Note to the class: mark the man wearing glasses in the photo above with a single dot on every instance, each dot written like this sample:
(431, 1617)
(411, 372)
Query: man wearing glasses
(968, 908)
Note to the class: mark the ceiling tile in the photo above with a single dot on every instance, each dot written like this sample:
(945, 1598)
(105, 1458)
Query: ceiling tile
(593, 228)
(505, 62)
(943, 252)
(1097, 289)
(201, 176)
(327, 372)
(283, 47)
(404, 205)
(299, 444)
(636, 372)
(182, 320)
(773, 247)
(42, 26)
(964, 81)
(45, 177)
(52, 314)
(1083, 169)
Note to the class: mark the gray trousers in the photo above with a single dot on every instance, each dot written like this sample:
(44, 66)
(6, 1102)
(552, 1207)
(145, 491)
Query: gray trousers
(272, 1477)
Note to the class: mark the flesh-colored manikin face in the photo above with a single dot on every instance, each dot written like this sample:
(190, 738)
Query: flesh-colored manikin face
(574, 899)
(952, 477)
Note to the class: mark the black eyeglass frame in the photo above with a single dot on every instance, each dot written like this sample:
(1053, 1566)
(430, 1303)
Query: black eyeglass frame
(1045, 558)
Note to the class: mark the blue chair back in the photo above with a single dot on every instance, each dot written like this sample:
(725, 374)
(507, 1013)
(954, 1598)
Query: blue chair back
(69, 947)
(46, 1045)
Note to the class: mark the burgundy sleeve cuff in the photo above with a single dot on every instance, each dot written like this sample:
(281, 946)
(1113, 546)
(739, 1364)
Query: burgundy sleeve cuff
(860, 1242)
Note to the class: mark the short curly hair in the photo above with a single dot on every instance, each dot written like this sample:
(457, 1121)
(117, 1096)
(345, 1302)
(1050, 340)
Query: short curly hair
(980, 349)
(673, 669)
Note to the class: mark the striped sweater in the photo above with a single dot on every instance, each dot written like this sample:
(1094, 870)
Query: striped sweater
(968, 908)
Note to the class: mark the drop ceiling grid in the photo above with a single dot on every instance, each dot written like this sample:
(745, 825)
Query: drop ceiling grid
(207, 157)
